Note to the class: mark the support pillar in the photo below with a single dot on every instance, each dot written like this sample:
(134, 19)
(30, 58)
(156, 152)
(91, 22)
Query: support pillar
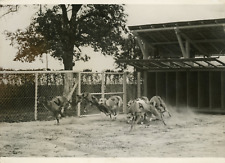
(36, 94)
(145, 83)
(138, 84)
(222, 89)
(210, 90)
(79, 92)
(124, 92)
(103, 85)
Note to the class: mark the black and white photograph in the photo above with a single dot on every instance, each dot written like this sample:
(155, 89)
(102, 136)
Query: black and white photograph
(124, 79)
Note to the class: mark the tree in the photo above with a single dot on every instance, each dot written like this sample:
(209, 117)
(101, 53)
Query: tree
(62, 30)
(129, 50)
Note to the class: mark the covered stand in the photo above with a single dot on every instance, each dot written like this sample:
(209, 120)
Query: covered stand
(183, 63)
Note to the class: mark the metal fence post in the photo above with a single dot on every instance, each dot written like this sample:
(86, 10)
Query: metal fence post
(36, 94)
(103, 85)
(79, 92)
(124, 92)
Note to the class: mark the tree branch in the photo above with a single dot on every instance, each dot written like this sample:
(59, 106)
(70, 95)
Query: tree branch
(64, 14)
(10, 10)
(67, 6)
(75, 9)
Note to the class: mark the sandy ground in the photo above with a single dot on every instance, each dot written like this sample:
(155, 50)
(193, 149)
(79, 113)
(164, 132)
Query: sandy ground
(186, 135)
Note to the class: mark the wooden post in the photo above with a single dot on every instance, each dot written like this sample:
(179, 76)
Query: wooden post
(124, 92)
(187, 46)
(188, 87)
(79, 92)
(145, 91)
(103, 85)
(138, 84)
(177, 90)
(167, 89)
(156, 84)
(188, 51)
(199, 91)
(210, 90)
(145, 49)
(222, 89)
(187, 84)
(36, 96)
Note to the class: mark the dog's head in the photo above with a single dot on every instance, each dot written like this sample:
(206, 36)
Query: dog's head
(94, 99)
(129, 117)
(102, 101)
(42, 100)
(130, 103)
(79, 98)
(87, 96)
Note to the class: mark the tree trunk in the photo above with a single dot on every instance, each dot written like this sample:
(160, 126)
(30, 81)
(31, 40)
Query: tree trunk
(68, 61)
(68, 46)
(68, 65)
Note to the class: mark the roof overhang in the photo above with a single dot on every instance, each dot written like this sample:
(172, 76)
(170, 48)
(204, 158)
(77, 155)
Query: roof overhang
(178, 46)
(175, 64)
(206, 37)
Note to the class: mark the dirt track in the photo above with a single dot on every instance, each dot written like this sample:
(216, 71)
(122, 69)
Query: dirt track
(186, 135)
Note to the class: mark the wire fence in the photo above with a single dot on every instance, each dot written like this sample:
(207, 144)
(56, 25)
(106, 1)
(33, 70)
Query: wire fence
(21, 92)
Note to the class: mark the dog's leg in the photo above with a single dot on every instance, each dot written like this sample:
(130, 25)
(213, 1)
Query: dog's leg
(57, 119)
(62, 112)
(134, 122)
(163, 120)
(157, 114)
(168, 113)
(115, 114)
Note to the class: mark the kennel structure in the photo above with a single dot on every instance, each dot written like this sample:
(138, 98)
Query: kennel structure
(183, 63)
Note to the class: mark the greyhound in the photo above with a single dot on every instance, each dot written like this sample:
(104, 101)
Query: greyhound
(159, 104)
(139, 109)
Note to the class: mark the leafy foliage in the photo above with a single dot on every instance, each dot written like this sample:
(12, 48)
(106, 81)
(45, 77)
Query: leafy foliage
(129, 50)
(29, 44)
(100, 26)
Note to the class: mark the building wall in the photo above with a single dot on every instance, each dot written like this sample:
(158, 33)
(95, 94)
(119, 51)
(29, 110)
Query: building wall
(200, 90)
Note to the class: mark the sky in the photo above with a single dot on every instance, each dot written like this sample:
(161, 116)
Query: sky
(139, 12)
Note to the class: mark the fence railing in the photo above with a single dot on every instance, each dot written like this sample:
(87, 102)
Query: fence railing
(21, 91)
